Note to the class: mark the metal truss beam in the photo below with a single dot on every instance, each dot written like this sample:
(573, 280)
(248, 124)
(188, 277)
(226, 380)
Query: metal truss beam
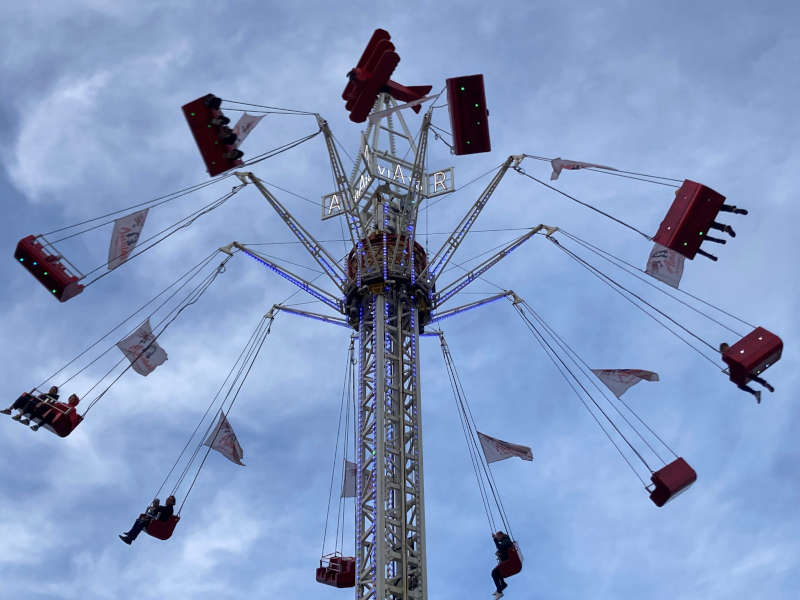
(438, 263)
(307, 286)
(454, 311)
(313, 315)
(323, 258)
(464, 280)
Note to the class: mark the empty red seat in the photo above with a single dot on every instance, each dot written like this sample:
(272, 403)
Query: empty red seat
(337, 571)
(752, 354)
(671, 480)
(513, 564)
(47, 268)
(162, 529)
(687, 222)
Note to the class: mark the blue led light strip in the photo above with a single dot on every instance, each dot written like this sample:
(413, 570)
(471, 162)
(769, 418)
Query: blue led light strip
(458, 311)
(302, 285)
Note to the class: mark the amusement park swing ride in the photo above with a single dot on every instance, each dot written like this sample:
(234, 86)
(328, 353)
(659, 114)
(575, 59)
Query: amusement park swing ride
(387, 291)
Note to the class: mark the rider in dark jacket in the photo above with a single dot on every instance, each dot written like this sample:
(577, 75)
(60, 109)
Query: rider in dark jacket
(503, 543)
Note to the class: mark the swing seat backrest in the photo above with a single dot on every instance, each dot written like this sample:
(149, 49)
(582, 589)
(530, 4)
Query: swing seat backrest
(671, 480)
(162, 529)
(513, 564)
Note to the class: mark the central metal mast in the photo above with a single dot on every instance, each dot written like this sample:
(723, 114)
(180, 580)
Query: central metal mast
(389, 306)
(386, 291)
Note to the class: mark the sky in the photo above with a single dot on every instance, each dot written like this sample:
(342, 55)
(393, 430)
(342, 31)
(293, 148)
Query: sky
(90, 121)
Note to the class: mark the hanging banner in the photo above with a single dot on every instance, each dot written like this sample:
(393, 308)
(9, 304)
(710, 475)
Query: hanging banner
(223, 440)
(124, 237)
(572, 165)
(665, 264)
(495, 449)
(142, 350)
(349, 485)
(244, 126)
(619, 380)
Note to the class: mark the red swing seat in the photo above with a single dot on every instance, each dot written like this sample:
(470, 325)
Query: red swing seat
(161, 529)
(60, 421)
(513, 564)
(47, 268)
(671, 480)
(752, 355)
(337, 571)
(687, 221)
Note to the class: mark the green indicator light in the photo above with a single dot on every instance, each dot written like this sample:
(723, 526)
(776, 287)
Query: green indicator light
(21, 260)
(191, 114)
(53, 291)
(463, 88)
(476, 105)
(685, 244)
(701, 233)
(45, 273)
(468, 141)
(477, 122)
(35, 263)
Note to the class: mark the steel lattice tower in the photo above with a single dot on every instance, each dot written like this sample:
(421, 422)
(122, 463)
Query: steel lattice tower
(388, 294)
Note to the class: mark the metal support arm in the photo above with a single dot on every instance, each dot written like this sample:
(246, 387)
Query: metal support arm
(437, 265)
(454, 311)
(304, 285)
(329, 264)
(312, 315)
(464, 280)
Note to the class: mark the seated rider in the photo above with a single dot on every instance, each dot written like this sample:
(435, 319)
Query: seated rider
(154, 511)
(503, 543)
(742, 385)
(27, 403)
(48, 414)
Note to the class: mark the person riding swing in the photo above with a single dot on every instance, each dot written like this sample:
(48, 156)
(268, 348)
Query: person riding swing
(154, 511)
(503, 544)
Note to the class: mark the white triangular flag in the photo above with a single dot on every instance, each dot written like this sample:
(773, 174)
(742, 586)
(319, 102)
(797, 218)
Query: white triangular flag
(142, 349)
(244, 126)
(495, 449)
(665, 264)
(619, 380)
(124, 237)
(572, 165)
(223, 440)
(349, 485)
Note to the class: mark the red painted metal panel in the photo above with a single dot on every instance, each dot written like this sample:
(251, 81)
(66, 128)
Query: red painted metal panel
(752, 354)
(671, 480)
(47, 268)
(687, 221)
(469, 116)
(206, 136)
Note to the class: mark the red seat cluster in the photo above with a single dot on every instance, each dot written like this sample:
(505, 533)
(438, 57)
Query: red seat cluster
(671, 480)
(216, 141)
(337, 571)
(752, 354)
(161, 529)
(47, 268)
(688, 220)
(371, 76)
